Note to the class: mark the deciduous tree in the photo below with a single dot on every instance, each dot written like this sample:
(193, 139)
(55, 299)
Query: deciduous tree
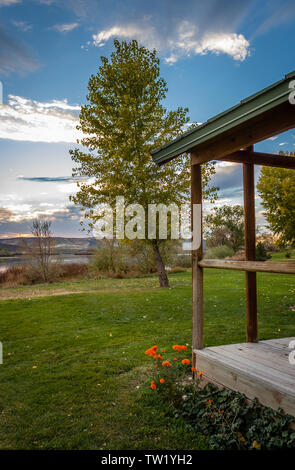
(123, 120)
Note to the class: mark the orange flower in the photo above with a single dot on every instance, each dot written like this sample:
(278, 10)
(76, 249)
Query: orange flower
(256, 445)
(166, 364)
(151, 351)
(200, 373)
(178, 347)
(194, 369)
(163, 350)
(153, 385)
(209, 402)
(185, 361)
(175, 359)
(221, 412)
(162, 381)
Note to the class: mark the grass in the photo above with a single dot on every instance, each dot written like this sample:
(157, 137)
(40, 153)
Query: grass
(75, 375)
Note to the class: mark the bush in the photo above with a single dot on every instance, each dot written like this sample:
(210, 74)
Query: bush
(288, 254)
(231, 422)
(219, 252)
(182, 260)
(28, 274)
(261, 253)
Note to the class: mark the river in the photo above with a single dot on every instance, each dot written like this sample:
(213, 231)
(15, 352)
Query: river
(7, 261)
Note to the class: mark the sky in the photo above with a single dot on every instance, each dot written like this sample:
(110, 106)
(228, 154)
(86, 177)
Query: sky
(213, 53)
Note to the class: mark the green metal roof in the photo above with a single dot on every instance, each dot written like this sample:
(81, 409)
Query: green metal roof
(248, 108)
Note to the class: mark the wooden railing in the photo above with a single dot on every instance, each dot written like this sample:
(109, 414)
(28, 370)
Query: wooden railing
(250, 266)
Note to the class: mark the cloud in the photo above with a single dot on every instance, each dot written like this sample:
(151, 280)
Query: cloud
(147, 35)
(46, 179)
(187, 41)
(65, 28)
(5, 214)
(22, 25)
(7, 3)
(183, 29)
(28, 120)
(29, 212)
(14, 55)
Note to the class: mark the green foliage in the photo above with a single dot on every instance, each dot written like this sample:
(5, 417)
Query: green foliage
(230, 422)
(219, 252)
(261, 253)
(117, 259)
(276, 187)
(288, 254)
(123, 121)
(225, 226)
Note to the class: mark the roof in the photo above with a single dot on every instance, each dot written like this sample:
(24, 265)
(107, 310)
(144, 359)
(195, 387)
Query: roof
(265, 100)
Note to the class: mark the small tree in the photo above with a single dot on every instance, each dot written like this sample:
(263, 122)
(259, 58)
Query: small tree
(261, 253)
(42, 247)
(123, 121)
(225, 226)
(276, 186)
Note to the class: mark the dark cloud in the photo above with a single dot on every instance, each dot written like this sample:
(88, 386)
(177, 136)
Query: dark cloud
(48, 179)
(5, 214)
(14, 55)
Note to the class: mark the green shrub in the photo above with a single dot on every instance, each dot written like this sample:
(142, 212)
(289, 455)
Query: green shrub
(219, 252)
(261, 253)
(231, 422)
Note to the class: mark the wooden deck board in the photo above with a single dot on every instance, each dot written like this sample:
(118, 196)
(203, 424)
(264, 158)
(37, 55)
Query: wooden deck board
(259, 370)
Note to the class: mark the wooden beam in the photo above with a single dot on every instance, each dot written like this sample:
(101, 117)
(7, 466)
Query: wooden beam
(259, 158)
(250, 250)
(250, 266)
(197, 271)
(266, 125)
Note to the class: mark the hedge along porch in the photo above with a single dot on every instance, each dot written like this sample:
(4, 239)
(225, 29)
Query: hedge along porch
(257, 368)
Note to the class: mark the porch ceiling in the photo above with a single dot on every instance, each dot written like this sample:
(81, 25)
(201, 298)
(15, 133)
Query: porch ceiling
(255, 118)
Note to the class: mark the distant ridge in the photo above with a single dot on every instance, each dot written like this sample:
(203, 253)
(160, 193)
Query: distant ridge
(63, 245)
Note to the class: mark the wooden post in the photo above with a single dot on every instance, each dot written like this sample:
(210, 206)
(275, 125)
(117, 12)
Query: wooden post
(250, 249)
(197, 271)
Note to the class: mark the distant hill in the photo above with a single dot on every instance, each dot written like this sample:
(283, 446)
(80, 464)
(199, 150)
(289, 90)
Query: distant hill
(63, 245)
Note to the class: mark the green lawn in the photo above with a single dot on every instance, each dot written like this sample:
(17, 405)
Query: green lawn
(88, 389)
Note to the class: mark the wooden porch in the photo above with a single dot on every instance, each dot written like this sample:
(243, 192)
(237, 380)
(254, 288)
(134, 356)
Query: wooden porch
(256, 368)
(260, 370)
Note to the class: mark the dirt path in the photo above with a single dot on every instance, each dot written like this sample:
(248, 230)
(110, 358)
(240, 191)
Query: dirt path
(8, 295)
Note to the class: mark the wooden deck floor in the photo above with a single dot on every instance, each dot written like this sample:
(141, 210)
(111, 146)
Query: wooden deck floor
(259, 370)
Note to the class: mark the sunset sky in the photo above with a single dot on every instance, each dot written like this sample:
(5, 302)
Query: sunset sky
(213, 54)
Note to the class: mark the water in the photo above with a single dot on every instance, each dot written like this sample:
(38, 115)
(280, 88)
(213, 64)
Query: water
(7, 261)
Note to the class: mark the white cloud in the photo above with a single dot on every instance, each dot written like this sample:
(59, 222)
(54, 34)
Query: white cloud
(28, 120)
(30, 211)
(187, 40)
(146, 34)
(65, 28)
(22, 25)
(7, 3)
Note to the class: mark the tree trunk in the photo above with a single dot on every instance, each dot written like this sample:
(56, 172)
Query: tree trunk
(163, 279)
